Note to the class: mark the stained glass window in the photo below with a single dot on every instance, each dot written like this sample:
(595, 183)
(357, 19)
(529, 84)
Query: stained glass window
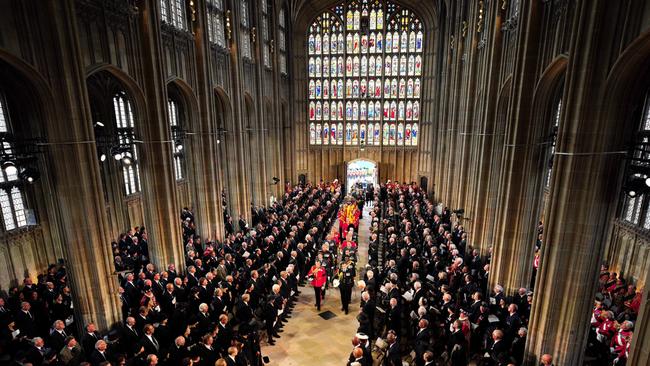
(125, 131)
(636, 210)
(556, 124)
(12, 206)
(173, 13)
(216, 23)
(175, 122)
(266, 32)
(244, 18)
(282, 41)
(364, 69)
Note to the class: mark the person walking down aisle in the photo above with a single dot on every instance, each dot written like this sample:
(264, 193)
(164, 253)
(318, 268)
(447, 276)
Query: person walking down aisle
(319, 279)
(346, 277)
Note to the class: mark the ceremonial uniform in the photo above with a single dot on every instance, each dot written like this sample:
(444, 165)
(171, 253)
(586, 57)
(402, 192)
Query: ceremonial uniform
(346, 277)
(320, 278)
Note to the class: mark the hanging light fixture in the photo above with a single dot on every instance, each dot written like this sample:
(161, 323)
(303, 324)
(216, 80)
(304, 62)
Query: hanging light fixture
(116, 153)
(29, 175)
(635, 186)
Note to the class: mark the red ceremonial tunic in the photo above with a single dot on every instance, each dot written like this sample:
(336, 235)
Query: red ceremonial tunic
(320, 276)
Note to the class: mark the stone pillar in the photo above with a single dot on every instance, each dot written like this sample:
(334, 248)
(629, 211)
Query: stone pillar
(640, 348)
(161, 208)
(206, 165)
(577, 213)
(491, 134)
(581, 195)
(80, 199)
(237, 138)
(518, 202)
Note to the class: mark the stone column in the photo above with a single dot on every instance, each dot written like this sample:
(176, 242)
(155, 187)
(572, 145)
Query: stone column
(206, 165)
(518, 201)
(79, 195)
(236, 148)
(491, 133)
(581, 195)
(161, 208)
(640, 348)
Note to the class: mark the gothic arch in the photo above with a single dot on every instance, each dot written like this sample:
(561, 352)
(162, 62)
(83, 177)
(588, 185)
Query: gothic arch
(190, 104)
(306, 11)
(249, 113)
(223, 109)
(546, 92)
(130, 85)
(271, 120)
(626, 85)
(33, 89)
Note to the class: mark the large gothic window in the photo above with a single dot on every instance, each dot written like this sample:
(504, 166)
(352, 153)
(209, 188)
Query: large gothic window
(636, 205)
(245, 25)
(266, 32)
(12, 202)
(216, 23)
(175, 122)
(173, 13)
(365, 75)
(127, 151)
(282, 41)
(556, 125)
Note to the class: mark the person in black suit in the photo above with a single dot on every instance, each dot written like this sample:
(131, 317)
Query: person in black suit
(394, 316)
(499, 348)
(368, 310)
(142, 318)
(25, 320)
(149, 343)
(513, 323)
(457, 346)
(244, 313)
(383, 193)
(177, 352)
(231, 358)
(518, 346)
(224, 335)
(125, 303)
(89, 338)
(58, 336)
(393, 356)
(206, 351)
(168, 300)
(202, 321)
(36, 353)
(100, 354)
(270, 313)
(132, 291)
(129, 337)
(422, 340)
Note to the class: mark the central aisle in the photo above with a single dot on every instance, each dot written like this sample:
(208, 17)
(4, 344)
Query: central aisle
(311, 340)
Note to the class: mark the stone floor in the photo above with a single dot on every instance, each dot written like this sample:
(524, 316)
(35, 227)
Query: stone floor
(310, 340)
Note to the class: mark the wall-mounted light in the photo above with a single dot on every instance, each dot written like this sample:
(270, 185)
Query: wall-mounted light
(228, 25)
(479, 23)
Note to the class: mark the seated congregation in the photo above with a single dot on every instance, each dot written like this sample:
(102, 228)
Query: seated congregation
(425, 298)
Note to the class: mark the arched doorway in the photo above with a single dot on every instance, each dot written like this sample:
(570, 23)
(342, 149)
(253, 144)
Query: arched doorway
(361, 171)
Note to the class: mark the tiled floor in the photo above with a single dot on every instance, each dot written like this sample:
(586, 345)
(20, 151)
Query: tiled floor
(310, 340)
